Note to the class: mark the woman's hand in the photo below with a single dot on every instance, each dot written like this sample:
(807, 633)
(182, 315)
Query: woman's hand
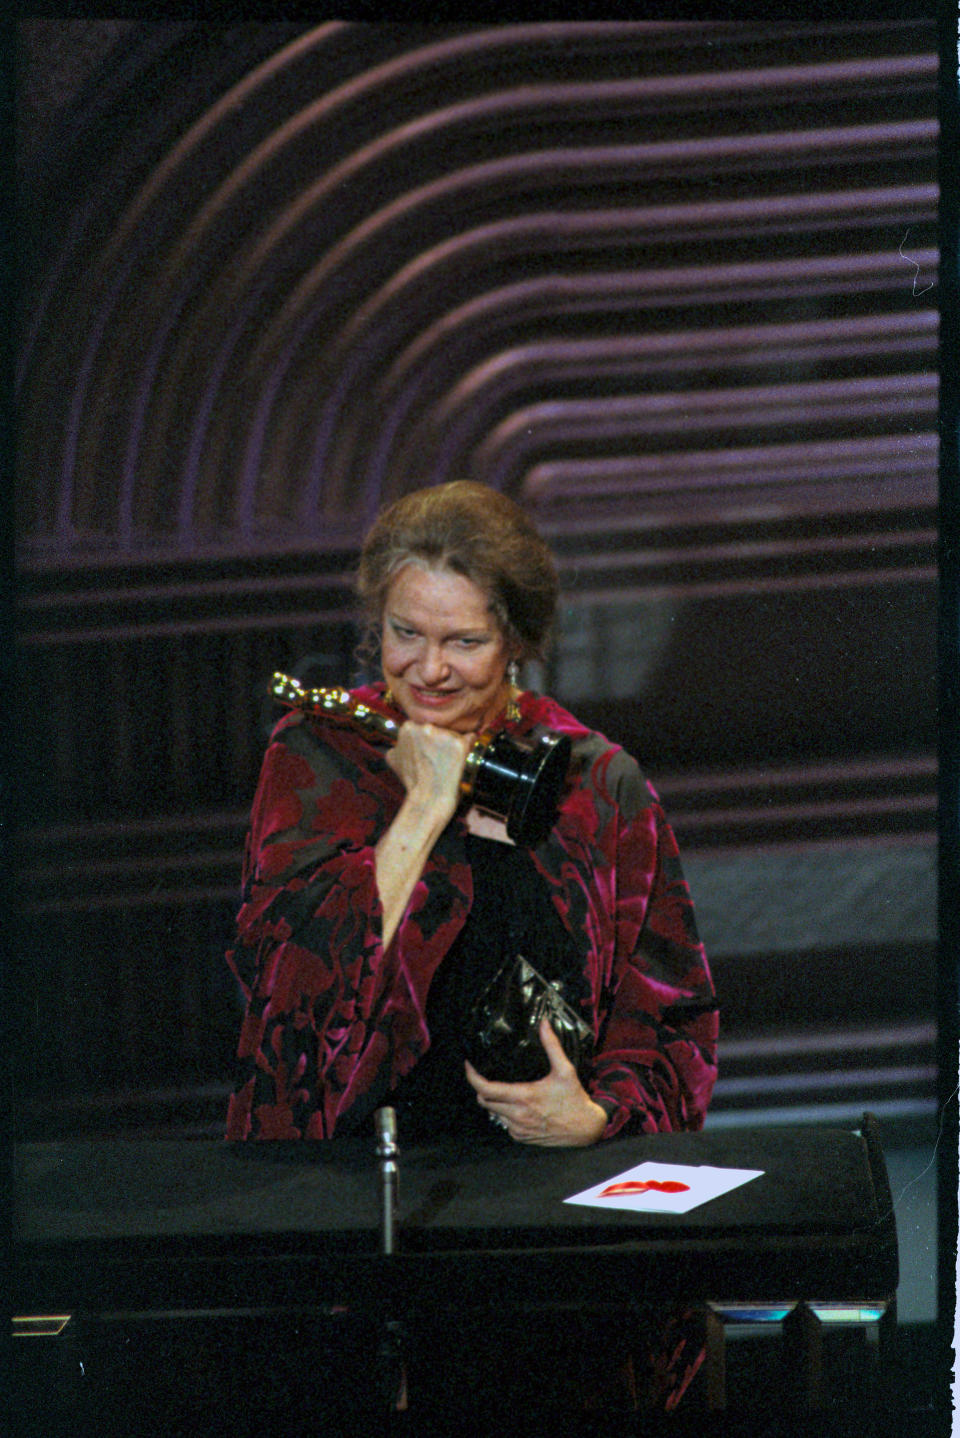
(429, 763)
(555, 1111)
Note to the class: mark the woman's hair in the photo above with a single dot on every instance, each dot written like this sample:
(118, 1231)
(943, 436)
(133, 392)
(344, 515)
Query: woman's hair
(475, 531)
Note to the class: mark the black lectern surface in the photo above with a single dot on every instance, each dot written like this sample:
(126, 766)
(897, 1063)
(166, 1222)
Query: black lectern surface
(162, 1224)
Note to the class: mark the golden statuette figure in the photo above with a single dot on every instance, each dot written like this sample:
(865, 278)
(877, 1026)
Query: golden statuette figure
(516, 777)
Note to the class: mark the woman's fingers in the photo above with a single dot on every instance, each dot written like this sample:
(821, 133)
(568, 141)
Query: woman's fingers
(559, 1063)
(429, 761)
(555, 1111)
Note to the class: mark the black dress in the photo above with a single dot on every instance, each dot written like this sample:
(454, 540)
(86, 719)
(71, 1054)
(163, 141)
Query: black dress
(512, 1362)
(511, 914)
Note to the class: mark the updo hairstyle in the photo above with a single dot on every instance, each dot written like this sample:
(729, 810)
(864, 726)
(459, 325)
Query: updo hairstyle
(476, 531)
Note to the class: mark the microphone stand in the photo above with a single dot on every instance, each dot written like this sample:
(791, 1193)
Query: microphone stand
(391, 1369)
(388, 1152)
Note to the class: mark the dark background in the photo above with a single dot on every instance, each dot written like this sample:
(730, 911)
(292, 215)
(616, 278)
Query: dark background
(675, 288)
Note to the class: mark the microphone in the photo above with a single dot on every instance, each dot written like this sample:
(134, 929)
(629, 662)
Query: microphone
(388, 1152)
(391, 1370)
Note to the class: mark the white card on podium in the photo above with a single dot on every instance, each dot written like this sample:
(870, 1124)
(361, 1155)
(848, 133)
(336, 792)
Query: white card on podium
(664, 1187)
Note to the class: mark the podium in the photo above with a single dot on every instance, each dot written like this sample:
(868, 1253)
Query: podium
(213, 1245)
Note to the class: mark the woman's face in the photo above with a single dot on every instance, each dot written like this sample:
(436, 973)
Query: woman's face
(444, 655)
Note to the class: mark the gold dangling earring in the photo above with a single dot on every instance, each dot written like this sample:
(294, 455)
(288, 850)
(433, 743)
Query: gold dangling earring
(513, 679)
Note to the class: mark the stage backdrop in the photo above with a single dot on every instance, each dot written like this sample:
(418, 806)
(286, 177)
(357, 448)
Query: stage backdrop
(671, 286)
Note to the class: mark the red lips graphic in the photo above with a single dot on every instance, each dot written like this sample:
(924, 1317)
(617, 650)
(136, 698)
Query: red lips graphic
(654, 1185)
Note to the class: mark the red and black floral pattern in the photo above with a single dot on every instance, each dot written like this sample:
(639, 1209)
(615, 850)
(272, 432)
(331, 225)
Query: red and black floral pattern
(333, 1019)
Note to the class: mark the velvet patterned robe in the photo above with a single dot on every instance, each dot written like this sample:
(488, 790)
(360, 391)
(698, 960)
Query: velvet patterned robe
(333, 1019)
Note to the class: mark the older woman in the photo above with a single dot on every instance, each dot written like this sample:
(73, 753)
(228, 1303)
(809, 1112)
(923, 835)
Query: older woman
(377, 904)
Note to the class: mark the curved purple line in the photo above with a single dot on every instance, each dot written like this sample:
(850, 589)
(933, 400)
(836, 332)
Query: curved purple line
(134, 242)
(144, 391)
(446, 49)
(572, 288)
(189, 478)
(390, 140)
(386, 434)
(77, 221)
(198, 433)
(253, 451)
(325, 429)
(526, 223)
(466, 405)
(807, 402)
(71, 439)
